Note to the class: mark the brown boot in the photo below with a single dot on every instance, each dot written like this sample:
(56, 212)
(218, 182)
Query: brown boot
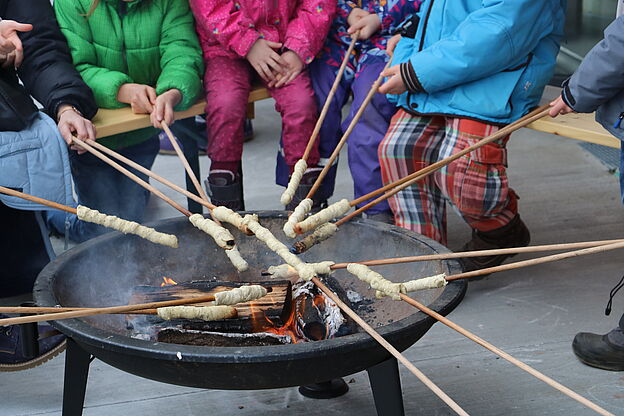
(514, 234)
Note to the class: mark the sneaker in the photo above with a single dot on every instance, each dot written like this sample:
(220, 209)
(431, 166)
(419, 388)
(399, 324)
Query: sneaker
(226, 189)
(598, 351)
(166, 148)
(16, 356)
(514, 234)
(307, 181)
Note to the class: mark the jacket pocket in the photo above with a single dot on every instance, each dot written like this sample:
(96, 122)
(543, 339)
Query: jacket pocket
(489, 97)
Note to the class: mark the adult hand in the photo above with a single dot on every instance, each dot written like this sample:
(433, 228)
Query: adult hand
(11, 51)
(367, 26)
(392, 42)
(72, 124)
(265, 60)
(356, 15)
(294, 67)
(558, 106)
(395, 84)
(163, 109)
(141, 98)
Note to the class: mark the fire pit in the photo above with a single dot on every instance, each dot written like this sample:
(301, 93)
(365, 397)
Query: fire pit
(104, 271)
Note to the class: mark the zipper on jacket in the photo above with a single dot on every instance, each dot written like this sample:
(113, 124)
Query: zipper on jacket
(618, 122)
(422, 36)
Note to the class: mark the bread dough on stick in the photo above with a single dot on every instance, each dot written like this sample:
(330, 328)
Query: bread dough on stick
(240, 295)
(325, 215)
(322, 233)
(237, 260)
(382, 286)
(297, 216)
(284, 271)
(221, 236)
(205, 313)
(225, 214)
(431, 282)
(126, 227)
(295, 179)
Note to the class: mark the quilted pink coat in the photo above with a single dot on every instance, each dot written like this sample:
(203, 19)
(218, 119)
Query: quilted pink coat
(230, 27)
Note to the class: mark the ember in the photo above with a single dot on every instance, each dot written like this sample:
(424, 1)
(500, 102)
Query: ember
(168, 282)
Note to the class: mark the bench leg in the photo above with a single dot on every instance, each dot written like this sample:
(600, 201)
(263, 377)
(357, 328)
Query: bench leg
(251, 111)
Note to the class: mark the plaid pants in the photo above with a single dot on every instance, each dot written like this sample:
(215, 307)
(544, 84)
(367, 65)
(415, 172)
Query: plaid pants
(475, 185)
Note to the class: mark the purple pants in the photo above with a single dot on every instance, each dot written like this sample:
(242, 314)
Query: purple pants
(367, 134)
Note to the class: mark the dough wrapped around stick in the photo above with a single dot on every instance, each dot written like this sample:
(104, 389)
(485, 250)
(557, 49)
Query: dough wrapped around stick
(205, 313)
(295, 178)
(225, 214)
(431, 282)
(382, 286)
(126, 227)
(284, 271)
(297, 216)
(221, 236)
(237, 260)
(325, 215)
(240, 295)
(322, 233)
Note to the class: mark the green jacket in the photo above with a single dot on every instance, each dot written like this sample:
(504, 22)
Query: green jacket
(150, 42)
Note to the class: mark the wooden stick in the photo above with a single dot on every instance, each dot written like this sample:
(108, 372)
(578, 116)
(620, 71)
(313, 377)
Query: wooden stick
(506, 356)
(479, 253)
(37, 200)
(44, 309)
(131, 175)
(102, 311)
(534, 115)
(347, 133)
(366, 327)
(149, 173)
(539, 260)
(330, 97)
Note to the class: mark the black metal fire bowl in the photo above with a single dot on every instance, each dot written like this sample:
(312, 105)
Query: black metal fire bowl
(103, 271)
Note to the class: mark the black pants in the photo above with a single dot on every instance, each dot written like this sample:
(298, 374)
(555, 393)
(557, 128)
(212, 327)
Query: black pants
(23, 251)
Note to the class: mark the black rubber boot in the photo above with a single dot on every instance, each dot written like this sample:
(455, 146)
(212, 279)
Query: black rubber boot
(226, 189)
(598, 351)
(307, 181)
(514, 234)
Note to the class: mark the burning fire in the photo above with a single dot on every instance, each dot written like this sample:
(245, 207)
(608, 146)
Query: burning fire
(168, 282)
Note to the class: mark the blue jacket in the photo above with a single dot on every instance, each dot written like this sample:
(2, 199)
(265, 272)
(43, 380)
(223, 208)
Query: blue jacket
(483, 59)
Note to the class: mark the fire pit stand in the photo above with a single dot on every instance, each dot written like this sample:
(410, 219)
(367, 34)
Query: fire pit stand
(103, 271)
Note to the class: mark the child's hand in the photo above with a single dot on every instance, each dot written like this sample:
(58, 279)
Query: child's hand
(163, 109)
(395, 84)
(265, 60)
(559, 106)
(10, 44)
(140, 97)
(356, 15)
(392, 42)
(294, 68)
(367, 26)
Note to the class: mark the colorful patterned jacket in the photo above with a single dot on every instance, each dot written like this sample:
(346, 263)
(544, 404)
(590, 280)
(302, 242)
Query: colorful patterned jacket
(391, 14)
(231, 27)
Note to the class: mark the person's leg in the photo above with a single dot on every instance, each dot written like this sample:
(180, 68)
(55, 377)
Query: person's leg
(322, 76)
(411, 144)
(133, 197)
(601, 351)
(478, 188)
(368, 133)
(227, 82)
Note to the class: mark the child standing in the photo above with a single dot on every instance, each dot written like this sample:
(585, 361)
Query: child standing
(129, 52)
(376, 20)
(276, 39)
(470, 67)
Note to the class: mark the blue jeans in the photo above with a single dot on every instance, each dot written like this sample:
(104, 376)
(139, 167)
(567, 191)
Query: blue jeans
(102, 187)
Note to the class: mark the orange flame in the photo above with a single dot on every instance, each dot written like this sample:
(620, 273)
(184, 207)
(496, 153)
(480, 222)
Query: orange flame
(168, 282)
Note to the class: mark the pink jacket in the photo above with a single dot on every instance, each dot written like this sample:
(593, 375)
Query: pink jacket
(230, 27)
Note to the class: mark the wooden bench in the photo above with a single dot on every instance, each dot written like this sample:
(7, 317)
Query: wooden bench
(581, 127)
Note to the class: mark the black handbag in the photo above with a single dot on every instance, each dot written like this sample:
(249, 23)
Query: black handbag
(16, 106)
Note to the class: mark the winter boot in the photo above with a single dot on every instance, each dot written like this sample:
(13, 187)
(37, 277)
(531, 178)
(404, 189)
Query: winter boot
(514, 234)
(600, 351)
(226, 188)
(307, 181)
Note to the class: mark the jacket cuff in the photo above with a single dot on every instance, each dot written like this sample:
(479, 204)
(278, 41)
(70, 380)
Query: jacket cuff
(566, 95)
(243, 45)
(410, 79)
(302, 51)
